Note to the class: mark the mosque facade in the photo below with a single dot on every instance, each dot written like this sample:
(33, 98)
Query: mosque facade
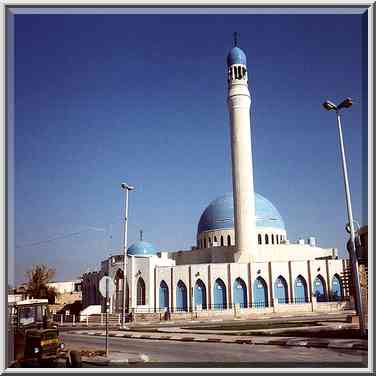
(242, 257)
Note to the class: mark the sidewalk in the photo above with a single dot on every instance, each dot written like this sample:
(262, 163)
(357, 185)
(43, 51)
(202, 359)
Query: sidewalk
(356, 344)
(95, 357)
(115, 359)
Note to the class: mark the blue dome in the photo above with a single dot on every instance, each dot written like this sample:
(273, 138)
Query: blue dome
(220, 214)
(141, 248)
(236, 56)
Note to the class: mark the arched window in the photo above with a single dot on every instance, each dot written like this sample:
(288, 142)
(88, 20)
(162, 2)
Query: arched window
(272, 238)
(141, 296)
(266, 239)
(219, 294)
(210, 241)
(205, 243)
(228, 240)
(280, 238)
(277, 239)
(259, 238)
(240, 293)
(235, 73)
(163, 295)
(280, 290)
(260, 293)
(319, 290)
(239, 72)
(119, 281)
(181, 297)
(336, 290)
(300, 290)
(200, 294)
(221, 240)
(215, 239)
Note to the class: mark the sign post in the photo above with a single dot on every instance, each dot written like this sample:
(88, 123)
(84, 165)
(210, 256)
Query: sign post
(107, 289)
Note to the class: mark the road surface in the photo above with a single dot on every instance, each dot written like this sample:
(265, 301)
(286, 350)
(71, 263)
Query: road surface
(191, 354)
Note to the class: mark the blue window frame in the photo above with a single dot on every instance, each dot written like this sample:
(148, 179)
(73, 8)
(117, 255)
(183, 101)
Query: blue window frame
(300, 290)
(200, 294)
(219, 294)
(163, 295)
(280, 290)
(181, 297)
(240, 293)
(260, 293)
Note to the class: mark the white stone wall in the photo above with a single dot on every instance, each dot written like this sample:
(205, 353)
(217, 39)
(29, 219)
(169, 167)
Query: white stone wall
(292, 252)
(229, 272)
(155, 269)
(63, 287)
(219, 271)
(180, 272)
(298, 268)
(280, 269)
(263, 253)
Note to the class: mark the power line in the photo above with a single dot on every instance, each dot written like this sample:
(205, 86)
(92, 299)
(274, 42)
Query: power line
(58, 237)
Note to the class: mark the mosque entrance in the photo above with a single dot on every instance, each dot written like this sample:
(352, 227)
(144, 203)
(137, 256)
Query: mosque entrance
(219, 294)
(163, 295)
(181, 297)
(200, 294)
(300, 290)
(319, 289)
(260, 293)
(336, 293)
(240, 293)
(280, 290)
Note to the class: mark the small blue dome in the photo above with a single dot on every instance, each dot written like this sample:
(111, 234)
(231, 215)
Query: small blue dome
(220, 214)
(141, 248)
(236, 56)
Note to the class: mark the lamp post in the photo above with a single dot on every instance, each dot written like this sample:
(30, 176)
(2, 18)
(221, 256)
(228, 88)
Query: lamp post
(347, 103)
(126, 189)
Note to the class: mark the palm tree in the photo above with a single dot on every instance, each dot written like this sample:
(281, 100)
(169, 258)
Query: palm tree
(37, 284)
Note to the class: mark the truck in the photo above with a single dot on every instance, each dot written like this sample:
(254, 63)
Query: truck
(34, 337)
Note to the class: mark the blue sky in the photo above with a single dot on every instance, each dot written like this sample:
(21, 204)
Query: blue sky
(101, 99)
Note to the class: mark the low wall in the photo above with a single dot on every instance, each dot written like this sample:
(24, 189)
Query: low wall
(238, 312)
(333, 306)
(293, 308)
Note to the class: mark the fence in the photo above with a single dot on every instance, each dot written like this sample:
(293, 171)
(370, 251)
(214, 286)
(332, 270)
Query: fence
(79, 320)
(198, 311)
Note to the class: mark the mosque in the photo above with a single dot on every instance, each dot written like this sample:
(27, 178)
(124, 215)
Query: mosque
(242, 257)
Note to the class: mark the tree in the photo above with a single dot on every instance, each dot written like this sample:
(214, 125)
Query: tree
(37, 283)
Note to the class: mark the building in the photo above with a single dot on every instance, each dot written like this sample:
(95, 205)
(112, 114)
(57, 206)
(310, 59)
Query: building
(242, 257)
(68, 298)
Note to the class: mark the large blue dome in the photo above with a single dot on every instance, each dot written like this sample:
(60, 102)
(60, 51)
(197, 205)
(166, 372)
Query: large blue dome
(141, 248)
(220, 214)
(236, 56)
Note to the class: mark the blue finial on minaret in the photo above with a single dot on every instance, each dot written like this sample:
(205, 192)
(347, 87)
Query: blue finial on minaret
(236, 39)
(236, 55)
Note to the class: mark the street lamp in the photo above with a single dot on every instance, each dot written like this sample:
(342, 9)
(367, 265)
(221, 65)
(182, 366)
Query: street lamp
(126, 189)
(347, 103)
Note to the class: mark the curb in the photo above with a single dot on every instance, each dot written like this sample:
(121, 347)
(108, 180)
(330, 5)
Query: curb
(292, 342)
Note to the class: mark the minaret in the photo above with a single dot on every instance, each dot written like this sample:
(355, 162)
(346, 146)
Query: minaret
(239, 103)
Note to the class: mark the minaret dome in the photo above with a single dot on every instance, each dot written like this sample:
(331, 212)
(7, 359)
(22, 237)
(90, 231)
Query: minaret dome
(237, 66)
(236, 56)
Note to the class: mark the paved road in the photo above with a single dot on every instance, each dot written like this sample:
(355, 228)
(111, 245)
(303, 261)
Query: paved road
(170, 353)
